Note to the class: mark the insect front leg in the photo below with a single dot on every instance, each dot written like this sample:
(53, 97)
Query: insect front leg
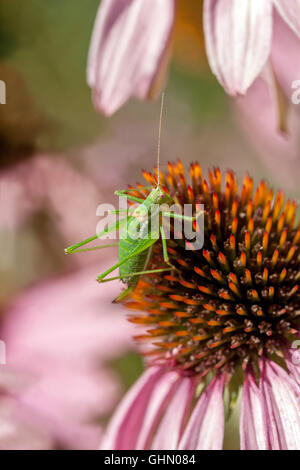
(141, 273)
(100, 247)
(119, 211)
(123, 193)
(116, 226)
(101, 277)
(139, 188)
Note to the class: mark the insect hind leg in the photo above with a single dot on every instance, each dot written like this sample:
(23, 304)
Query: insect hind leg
(140, 273)
(123, 193)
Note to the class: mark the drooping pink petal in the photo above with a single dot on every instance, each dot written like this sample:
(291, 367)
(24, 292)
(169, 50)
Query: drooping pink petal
(205, 429)
(290, 12)
(238, 40)
(279, 100)
(169, 431)
(257, 114)
(128, 46)
(252, 426)
(281, 407)
(107, 14)
(132, 424)
(292, 359)
(268, 106)
(286, 65)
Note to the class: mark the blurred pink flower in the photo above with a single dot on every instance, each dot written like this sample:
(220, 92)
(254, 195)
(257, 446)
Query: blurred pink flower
(49, 182)
(15, 434)
(59, 336)
(160, 412)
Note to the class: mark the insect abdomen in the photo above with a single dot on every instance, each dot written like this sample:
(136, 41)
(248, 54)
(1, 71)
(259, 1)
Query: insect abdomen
(135, 264)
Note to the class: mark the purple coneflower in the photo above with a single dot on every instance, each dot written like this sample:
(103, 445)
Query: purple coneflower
(131, 43)
(224, 319)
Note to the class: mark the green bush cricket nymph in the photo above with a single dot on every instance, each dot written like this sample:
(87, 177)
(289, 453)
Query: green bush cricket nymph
(134, 252)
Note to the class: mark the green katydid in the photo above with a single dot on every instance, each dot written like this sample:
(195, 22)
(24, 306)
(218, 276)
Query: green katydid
(134, 252)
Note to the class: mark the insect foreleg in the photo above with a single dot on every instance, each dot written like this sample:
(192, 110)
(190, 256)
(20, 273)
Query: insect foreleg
(121, 211)
(80, 250)
(128, 196)
(116, 226)
(150, 271)
(140, 187)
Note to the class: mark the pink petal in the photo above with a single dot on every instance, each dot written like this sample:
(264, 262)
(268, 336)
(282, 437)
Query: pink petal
(292, 359)
(286, 65)
(257, 114)
(238, 40)
(261, 119)
(279, 99)
(130, 412)
(169, 432)
(136, 416)
(205, 429)
(128, 46)
(156, 406)
(252, 426)
(290, 12)
(281, 408)
(293, 362)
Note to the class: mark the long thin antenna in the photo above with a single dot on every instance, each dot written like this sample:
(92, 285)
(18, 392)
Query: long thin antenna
(159, 135)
